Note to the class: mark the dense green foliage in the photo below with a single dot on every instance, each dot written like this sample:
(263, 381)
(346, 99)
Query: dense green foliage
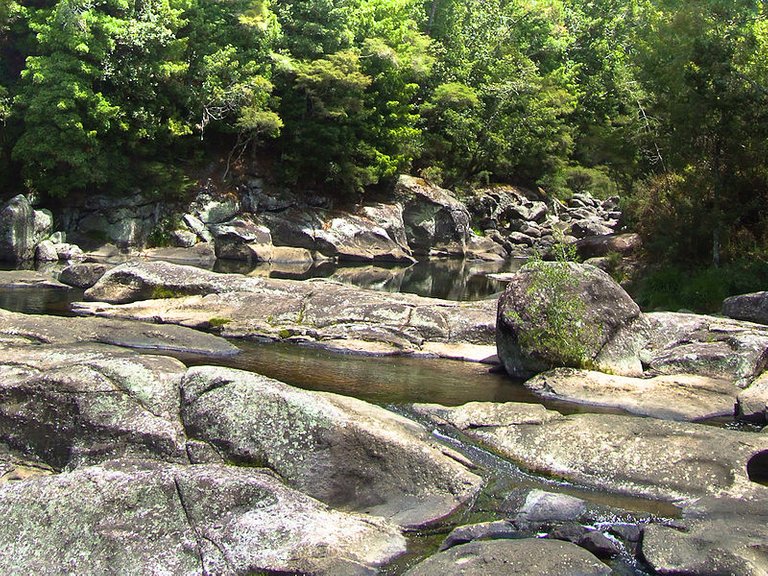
(664, 101)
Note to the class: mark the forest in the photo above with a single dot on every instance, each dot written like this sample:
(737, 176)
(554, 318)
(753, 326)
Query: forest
(664, 102)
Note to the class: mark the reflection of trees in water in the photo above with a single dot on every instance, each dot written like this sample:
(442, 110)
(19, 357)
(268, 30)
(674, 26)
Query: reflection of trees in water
(449, 279)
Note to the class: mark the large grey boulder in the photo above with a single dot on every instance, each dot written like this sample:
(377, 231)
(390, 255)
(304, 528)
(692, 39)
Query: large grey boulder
(368, 236)
(524, 557)
(339, 450)
(751, 307)
(83, 275)
(673, 397)
(130, 517)
(69, 404)
(17, 230)
(565, 314)
(436, 223)
(596, 246)
(674, 461)
(242, 239)
(705, 345)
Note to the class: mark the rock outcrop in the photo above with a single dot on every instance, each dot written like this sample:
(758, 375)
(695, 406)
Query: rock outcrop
(523, 557)
(140, 517)
(565, 314)
(672, 397)
(17, 230)
(675, 461)
(750, 307)
(320, 312)
(340, 450)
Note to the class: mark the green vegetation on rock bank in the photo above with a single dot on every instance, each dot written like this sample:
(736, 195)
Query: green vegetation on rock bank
(664, 101)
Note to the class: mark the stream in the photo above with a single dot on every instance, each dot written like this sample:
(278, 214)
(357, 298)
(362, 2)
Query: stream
(396, 382)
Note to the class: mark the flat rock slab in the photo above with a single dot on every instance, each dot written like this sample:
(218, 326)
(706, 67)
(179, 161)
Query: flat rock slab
(10, 279)
(340, 450)
(132, 517)
(673, 397)
(73, 403)
(644, 457)
(44, 329)
(523, 557)
(705, 345)
(320, 312)
(718, 536)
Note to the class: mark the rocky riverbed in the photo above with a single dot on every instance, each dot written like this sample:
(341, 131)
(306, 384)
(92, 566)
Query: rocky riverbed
(630, 454)
(119, 459)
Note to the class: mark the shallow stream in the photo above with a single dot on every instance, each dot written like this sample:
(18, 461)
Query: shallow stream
(396, 382)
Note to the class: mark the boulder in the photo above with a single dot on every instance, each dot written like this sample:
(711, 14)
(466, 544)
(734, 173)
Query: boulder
(69, 404)
(547, 507)
(565, 314)
(673, 397)
(17, 230)
(644, 457)
(340, 450)
(351, 237)
(197, 227)
(83, 275)
(597, 246)
(481, 531)
(42, 225)
(210, 210)
(524, 557)
(242, 239)
(436, 223)
(138, 518)
(705, 345)
(716, 536)
(751, 307)
(46, 252)
(182, 238)
(137, 280)
(753, 401)
(67, 252)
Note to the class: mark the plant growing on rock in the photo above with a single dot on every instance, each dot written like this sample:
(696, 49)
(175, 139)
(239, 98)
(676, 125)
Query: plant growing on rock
(555, 316)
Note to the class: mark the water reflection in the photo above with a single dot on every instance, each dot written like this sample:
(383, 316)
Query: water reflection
(450, 279)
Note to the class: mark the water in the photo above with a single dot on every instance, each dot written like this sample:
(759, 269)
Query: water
(449, 279)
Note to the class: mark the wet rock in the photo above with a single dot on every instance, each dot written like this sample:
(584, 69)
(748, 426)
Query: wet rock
(436, 223)
(705, 345)
(673, 397)
(481, 531)
(750, 307)
(43, 329)
(525, 557)
(339, 450)
(753, 402)
(674, 461)
(586, 305)
(590, 539)
(17, 230)
(318, 311)
(83, 275)
(69, 404)
(130, 517)
(544, 507)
